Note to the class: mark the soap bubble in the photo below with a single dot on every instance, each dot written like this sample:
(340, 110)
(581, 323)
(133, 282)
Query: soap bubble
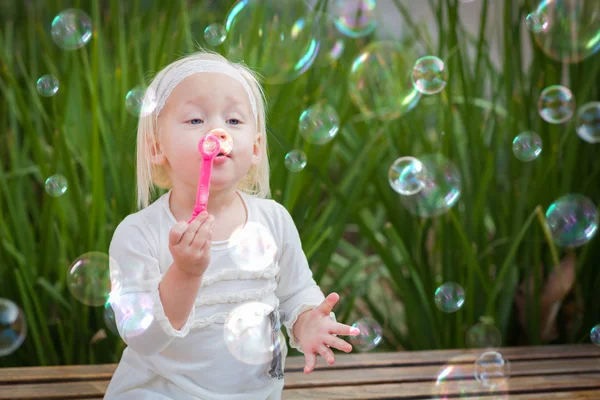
(491, 369)
(354, 18)
(109, 318)
(369, 336)
(255, 248)
(429, 75)
(449, 297)
(573, 220)
(47, 85)
(332, 42)
(483, 335)
(588, 122)
(215, 34)
(556, 104)
(527, 146)
(595, 335)
(134, 312)
(71, 29)
(295, 160)
(536, 23)
(406, 176)
(140, 101)
(573, 31)
(441, 187)
(319, 123)
(89, 278)
(251, 335)
(380, 81)
(13, 327)
(56, 185)
(277, 38)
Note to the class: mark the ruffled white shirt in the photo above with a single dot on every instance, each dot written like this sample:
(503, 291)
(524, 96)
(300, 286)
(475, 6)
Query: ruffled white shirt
(262, 262)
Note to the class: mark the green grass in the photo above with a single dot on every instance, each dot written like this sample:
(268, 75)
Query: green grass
(358, 237)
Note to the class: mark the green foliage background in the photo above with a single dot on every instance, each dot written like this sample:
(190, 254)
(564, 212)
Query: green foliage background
(359, 239)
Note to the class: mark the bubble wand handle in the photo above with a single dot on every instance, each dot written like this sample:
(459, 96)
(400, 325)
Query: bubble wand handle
(208, 151)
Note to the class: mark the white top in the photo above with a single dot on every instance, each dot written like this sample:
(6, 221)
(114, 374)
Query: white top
(262, 262)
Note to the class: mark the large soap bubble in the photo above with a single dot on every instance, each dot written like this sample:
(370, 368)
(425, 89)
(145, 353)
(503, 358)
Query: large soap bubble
(573, 30)
(280, 38)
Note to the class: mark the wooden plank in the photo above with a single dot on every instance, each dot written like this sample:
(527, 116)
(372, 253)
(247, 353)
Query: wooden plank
(442, 356)
(54, 390)
(324, 378)
(579, 395)
(293, 364)
(453, 389)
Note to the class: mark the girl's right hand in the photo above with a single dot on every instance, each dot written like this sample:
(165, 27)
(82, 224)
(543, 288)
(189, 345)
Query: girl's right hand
(190, 244)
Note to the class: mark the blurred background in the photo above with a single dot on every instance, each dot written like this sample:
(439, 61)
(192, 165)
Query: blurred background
(439, 157)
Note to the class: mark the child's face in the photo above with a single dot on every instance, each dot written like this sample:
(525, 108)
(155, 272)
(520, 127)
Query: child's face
(197, 105)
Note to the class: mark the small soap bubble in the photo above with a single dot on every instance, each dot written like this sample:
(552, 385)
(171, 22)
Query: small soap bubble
(215, 34)
(556, 104)
(588, 122)
(47, 85)
(429, 75)
(13, 327)
(406, 176)
(491, 369)
(573, 220)
(483, 335)
(449, 297)
(56, 185)
(251, 333)
(441, 187)
(90, 279)
(140, 101)
(71, 29)
(536, 22)
(295, 160)
(355, 18)
(319, 123)
(369, 336)
(380, 80)
(527, 146)
(595, 335)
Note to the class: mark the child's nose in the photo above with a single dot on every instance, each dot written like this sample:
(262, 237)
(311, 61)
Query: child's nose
(225, 140)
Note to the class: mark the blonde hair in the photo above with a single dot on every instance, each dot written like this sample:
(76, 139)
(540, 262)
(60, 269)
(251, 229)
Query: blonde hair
(149, 175)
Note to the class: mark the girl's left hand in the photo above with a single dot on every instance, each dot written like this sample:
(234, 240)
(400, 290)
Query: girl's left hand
(317, 334)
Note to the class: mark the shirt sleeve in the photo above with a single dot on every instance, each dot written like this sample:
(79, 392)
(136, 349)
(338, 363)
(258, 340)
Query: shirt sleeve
(135, 299)
(297, 290)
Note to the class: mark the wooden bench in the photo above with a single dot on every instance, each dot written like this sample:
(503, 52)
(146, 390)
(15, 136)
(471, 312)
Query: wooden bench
(545, 372)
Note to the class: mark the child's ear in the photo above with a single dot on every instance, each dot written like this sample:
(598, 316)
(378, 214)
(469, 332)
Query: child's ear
(157, 157)
(256, 152)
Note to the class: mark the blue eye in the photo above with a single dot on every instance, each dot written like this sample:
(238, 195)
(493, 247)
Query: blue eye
(195, 121)
(233, 121)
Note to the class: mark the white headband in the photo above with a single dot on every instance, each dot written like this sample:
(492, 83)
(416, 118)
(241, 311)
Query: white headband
(180, 70)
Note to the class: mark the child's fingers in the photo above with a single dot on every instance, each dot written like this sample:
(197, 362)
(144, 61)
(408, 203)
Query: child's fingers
(342, 329)
(177, 232)
(338, 343)
(327, 354)
(203, 233)
(311, 361)
(190, 233)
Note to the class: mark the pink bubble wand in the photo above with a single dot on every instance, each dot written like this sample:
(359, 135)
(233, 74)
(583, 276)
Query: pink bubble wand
(208, 156)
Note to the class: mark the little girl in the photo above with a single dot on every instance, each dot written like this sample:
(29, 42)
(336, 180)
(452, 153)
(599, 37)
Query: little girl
(180, 284)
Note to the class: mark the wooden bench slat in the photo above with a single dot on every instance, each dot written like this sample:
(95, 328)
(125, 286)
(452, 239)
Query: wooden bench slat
(452, 389)
(358, 360)
(325, 378)
(579, 395)
(54, 390)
